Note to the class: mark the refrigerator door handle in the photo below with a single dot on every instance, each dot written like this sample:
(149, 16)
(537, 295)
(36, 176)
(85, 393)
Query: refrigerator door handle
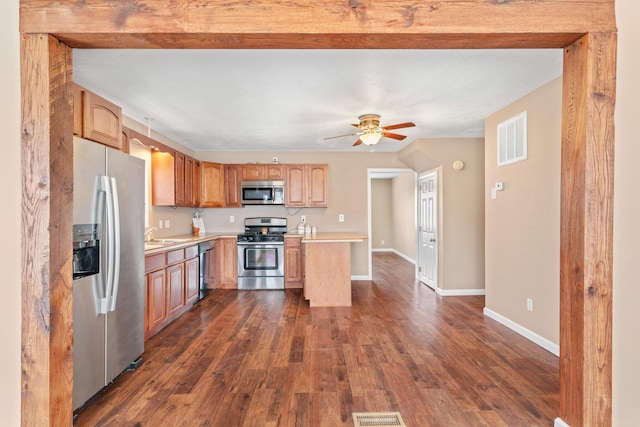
(105, 186)
(116, 245)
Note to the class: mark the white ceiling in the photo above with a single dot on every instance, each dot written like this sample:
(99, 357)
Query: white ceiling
(290, 100)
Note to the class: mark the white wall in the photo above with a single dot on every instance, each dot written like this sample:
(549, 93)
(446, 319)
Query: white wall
(626, 255)
(10, 215)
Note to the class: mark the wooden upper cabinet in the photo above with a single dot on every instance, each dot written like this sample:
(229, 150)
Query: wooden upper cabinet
(101, 120)
(274, 171)
(163, 183)
(95, 118)
(318, 185)
(262, 172)
(232, 178)
(253, 172)
(213, 185)
(179, 176)
(175, 179)
(295, 186)
(306, 185)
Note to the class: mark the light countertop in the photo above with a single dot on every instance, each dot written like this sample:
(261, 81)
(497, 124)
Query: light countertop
(332, 237)
(182, 241)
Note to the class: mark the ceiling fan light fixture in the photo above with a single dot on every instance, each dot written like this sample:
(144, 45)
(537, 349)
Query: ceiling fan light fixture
(371, 137)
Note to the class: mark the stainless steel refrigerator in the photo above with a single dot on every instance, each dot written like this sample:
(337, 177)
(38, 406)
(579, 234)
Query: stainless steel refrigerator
(108, 266)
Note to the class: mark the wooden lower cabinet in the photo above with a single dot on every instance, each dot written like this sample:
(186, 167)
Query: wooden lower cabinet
(293, 277)
(172, 280)
(226, 263)
(156, 307)
(192, 279)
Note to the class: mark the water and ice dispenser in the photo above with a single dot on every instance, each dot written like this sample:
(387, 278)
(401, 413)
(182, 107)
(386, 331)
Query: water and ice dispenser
(86, 250)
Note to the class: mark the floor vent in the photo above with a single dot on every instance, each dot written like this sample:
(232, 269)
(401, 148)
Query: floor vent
(377, 419)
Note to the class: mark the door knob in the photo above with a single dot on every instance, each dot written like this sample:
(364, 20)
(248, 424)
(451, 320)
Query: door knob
(432, 240)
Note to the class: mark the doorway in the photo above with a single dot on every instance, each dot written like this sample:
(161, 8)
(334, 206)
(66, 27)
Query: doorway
(393, 230)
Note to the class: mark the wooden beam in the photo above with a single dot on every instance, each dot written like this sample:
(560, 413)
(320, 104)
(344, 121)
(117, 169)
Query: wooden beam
(47, 200)
(319, 24)
(586, 252)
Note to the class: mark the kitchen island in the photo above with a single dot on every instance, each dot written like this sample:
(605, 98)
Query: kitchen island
(327, 264)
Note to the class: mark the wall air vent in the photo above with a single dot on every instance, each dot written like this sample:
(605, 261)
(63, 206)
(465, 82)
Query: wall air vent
(512, 140)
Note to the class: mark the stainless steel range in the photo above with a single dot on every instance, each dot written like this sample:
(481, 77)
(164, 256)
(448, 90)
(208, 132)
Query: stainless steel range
(261, 254)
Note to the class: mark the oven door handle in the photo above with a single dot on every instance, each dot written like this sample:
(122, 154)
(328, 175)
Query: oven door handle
(260, 243)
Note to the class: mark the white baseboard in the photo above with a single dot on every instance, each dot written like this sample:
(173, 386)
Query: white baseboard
(559, 423)
(361, 277)
(530, 335)
(459, 292)
(400, 254)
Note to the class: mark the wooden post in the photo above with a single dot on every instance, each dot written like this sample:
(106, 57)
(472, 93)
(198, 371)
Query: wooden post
(47, 201)
(586, 250)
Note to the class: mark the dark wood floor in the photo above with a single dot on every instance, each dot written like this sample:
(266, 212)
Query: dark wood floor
(264, 358)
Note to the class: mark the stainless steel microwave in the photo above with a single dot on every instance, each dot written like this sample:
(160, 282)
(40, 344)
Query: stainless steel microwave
(262, 192)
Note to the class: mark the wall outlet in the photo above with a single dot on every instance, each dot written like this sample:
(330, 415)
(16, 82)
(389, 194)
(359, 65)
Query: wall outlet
(530, 304)
(382, 242)
(275, 160)
(341, 218)
(232, 218)
(303, 219)
(499, 186)
(160, 224)
(167, 223)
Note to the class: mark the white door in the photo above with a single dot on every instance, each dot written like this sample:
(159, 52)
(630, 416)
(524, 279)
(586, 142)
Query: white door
(428, 231)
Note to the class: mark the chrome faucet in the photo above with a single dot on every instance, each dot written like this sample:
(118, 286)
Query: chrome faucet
(148, 233)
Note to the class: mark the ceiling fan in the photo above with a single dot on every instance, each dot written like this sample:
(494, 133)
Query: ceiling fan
(371, 131)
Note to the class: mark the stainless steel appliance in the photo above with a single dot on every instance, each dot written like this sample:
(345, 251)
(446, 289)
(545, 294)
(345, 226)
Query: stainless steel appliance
(204, 251)
(108, 266)
(261, 254)
(262, 192)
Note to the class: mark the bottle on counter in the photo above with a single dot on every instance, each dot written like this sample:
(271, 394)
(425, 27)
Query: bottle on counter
(314, 230)
(307, 229)
(301, 228)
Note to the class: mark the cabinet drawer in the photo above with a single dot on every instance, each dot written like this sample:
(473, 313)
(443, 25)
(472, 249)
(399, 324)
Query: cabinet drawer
(191, 252)
(175, 256)
(293, 241)
(154, 262)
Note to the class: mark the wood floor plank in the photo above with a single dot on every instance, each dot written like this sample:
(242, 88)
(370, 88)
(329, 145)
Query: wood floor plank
(264, 358)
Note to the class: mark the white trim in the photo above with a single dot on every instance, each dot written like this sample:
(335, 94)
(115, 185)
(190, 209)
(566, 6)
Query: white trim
(530, 335)
(382, 250)
(559, 423)
(361, 277)
(459, 292)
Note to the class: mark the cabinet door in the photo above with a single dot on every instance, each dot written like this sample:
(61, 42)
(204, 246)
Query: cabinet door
(191, 285)
(317, 185)
(163, 182)
(175, 289)
(188, 181)
(76, 91)
(196, 183)
(274, 171)
(210, 277)
(295, 183)
(253, 172)
(232, 174)
(179, 176)
(156, 306)
(226, 263)
(293, 262)
(213, 188)
(101, 120)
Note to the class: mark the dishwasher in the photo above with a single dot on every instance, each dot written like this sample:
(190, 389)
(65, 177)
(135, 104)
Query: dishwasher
(206, 266)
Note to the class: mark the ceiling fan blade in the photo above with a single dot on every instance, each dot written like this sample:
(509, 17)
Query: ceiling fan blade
(399, 126)
(347, 134)
(354, 125)
(393, 136)
(358, 142)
